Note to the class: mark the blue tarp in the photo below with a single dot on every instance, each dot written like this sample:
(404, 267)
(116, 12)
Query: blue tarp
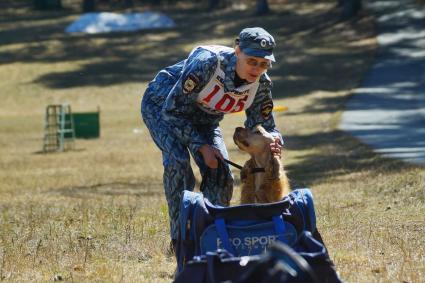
(113, 22)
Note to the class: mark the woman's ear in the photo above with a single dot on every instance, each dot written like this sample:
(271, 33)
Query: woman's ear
(237, 50)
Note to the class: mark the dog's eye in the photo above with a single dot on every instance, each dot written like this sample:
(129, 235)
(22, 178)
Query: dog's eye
(257, 132)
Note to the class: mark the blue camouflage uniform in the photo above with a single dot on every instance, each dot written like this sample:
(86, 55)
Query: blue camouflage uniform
(179, 124)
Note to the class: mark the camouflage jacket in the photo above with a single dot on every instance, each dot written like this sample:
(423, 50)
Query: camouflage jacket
(175, 89)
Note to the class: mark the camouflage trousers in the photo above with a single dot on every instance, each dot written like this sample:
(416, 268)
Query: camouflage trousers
(216, 185)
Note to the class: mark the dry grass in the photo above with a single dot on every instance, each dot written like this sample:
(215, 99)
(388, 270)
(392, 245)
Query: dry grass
(99, 214)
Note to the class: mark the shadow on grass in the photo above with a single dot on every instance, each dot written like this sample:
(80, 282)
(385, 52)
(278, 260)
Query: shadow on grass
(116, 58)
(111, 189)
(340, 154)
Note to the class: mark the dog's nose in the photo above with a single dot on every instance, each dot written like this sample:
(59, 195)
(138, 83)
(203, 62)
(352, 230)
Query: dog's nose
(238, 129)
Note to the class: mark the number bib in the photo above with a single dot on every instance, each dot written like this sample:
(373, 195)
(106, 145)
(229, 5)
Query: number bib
(213, 99)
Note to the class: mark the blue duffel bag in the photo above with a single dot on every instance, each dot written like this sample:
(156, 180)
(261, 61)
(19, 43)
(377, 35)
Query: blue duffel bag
(274, 242)
(241, 230)
(310, 263)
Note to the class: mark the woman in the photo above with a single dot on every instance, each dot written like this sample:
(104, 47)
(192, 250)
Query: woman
(183, 105)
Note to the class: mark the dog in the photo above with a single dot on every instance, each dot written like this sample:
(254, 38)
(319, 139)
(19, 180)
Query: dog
(263, 178)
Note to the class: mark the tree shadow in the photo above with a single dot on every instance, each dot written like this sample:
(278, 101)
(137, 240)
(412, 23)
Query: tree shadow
(133, 57)
(340, 154)
(110, 189)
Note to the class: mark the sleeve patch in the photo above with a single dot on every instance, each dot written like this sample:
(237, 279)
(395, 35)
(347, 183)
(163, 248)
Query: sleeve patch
(266, 109)
(190, 83)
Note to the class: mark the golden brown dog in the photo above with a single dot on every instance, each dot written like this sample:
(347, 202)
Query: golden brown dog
(263, 178)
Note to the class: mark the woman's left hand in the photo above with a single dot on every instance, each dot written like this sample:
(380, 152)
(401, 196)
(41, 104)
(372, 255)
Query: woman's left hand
(276, 148)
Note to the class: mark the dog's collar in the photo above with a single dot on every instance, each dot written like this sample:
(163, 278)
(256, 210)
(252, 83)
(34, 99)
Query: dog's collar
(257, 170)
(253, 170)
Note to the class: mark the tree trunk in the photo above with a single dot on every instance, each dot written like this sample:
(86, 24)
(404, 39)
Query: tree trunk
(262, 7)
(47, 4)
(350, 8)
(89, 6)
(129, 3)
(213, 4)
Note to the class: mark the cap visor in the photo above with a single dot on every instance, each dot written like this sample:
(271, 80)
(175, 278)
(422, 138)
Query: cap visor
(259, 53)
(270, 57)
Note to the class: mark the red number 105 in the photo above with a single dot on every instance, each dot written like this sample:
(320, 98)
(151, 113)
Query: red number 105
(227, 102)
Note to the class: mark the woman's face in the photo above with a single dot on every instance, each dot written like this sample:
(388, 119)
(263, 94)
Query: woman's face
(250, 68)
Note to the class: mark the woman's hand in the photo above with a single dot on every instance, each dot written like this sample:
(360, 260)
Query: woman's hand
(276, 148)
(210, 155)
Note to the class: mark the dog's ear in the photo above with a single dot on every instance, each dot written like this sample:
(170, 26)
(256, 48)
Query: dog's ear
(273, 170)
(246, 170)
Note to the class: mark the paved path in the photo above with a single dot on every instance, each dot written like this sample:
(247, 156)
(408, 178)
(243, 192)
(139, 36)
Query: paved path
(388, 110)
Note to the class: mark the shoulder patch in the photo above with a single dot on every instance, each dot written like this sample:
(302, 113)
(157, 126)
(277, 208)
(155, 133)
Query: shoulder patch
(266, 109)
(265, 79)
(190, 83)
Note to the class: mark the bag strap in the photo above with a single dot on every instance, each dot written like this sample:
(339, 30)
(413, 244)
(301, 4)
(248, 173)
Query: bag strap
(224, 236)
(279, 227)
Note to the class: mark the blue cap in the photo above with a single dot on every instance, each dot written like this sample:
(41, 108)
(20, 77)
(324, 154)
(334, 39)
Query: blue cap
(257, 42)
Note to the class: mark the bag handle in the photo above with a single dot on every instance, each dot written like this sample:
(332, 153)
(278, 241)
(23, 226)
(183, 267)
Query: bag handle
(224, 236)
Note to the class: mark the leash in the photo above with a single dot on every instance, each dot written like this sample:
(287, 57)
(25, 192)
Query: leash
(233, 164)
(254, 170)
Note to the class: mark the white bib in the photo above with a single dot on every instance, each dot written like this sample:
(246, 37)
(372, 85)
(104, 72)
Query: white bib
(213, 99)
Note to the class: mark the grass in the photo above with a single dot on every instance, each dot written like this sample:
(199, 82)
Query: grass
(99, 214)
